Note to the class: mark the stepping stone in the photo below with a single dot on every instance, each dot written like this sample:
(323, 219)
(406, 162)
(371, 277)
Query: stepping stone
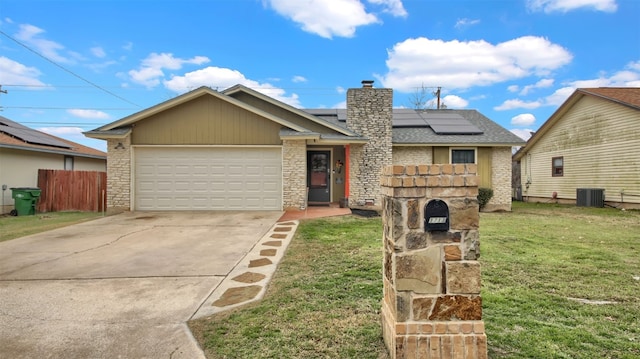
(282, 229)
(272, 243)
(268, 252)
(260, 262)
(249, 277)
(279, 236)
(237, 295)
(286, 224)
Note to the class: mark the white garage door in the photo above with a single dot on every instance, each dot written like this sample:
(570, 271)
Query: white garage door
(196, 178)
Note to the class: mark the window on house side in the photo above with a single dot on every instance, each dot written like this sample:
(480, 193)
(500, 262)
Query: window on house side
(463, 156)
(68, 163)
(557, 164)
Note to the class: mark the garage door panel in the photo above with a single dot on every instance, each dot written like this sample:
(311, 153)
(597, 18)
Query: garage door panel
(208, 178)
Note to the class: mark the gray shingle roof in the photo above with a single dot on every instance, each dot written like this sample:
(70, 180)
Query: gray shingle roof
(422, 133)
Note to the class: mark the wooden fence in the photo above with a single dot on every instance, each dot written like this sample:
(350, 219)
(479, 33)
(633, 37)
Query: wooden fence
(72, 191)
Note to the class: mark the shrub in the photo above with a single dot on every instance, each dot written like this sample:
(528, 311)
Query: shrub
(484, 196)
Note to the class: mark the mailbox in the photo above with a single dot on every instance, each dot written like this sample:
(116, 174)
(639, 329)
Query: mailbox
(436, 216)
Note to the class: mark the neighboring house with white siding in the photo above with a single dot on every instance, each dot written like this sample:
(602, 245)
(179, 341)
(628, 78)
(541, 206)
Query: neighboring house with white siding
(23, 151)
(591, 142)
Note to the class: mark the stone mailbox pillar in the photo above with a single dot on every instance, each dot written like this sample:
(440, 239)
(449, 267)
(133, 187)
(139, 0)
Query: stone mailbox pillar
(432, 306)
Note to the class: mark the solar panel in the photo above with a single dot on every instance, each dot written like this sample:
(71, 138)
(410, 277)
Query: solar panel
(32, 136)
(450, 124)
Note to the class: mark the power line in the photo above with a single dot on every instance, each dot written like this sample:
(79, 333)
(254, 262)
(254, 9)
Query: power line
(67, 70)
(69, 108)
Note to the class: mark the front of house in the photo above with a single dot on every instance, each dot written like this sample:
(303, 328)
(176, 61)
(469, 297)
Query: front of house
(241, 150)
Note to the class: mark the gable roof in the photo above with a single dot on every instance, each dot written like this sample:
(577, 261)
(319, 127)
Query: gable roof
(122, 127)
(439, 127)
(625, 96)
(16, 136)
(303, 113)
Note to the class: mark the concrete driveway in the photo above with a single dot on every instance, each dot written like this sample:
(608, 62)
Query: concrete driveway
(120, 286)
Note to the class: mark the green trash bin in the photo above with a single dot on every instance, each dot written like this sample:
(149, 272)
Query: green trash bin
(25, 200)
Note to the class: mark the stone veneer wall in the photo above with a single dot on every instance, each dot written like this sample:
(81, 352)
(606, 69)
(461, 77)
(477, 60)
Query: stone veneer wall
(432, 306)
(412, 154)
(501, 170)
(119, 174)
(294, 176)
(369, 113)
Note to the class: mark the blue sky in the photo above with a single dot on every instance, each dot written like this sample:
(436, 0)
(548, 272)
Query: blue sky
(72, 66)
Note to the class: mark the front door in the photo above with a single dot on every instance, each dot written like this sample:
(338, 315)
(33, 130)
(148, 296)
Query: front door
(319, 176)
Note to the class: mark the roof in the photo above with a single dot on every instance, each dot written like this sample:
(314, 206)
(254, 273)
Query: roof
(115, 129)
(410, 127)
(17, 136)
(444, 127)
(625, 96)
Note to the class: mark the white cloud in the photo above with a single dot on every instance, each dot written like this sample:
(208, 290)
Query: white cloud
(89, 114)
(569, 5)
(543, 83)
(30, 35)
(517, 103)
(98, 52)
(326, 18)
(513, 88)
(341, 105)
(525, 134)
(152, 68)
(464, 64)
(525, 119)
(394, 7)
(450, 101)
(62, 131)
(221, 78)
(12, 72)
(297, 79)
(340, 90)
(462, 23)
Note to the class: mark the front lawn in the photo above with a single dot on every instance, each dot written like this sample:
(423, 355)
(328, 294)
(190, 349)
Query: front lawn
(547, 270)
(13, 227)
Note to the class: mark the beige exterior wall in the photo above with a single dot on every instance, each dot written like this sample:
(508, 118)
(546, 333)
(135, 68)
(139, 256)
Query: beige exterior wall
(294, 172)
(417, 155)
(119, 169)
(500, 179)
(206, 121)
(19, 168)
(599, 141)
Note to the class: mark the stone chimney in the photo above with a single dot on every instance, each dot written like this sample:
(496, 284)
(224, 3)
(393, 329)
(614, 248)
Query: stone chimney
(369, 113)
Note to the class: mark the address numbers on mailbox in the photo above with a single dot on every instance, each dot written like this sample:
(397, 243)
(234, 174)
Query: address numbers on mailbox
(436, 216)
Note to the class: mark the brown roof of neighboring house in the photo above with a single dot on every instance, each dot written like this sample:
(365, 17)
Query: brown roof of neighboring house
(629, 96)
(15, 135)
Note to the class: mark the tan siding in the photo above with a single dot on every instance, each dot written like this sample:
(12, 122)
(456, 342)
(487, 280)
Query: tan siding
(599, 141)
(206, 121)
(440, 155)
(281, 113)
(484, 167)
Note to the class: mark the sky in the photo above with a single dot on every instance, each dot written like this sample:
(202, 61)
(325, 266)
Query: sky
(72, 66)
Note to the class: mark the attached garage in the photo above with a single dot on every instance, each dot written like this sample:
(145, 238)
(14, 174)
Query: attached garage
(207, 178)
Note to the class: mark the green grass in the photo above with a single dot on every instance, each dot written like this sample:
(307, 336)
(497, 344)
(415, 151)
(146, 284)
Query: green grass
(14, 227)
(324, 300)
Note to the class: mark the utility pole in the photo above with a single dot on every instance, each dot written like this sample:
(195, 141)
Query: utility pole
(1, 92)
(437, 93)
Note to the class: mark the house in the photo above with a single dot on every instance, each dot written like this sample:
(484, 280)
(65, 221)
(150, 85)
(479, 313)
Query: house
(587, 152)
(240, 149)
(23, 151)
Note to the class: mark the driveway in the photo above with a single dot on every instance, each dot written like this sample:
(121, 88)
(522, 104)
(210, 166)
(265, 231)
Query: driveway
(120, 286)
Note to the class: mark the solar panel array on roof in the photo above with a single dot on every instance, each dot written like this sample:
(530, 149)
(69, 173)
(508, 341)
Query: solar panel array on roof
(32, 136)
(450, 124)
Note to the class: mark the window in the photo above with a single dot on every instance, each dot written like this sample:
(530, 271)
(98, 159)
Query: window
(557, 166)
(463, 156)
(68, 163)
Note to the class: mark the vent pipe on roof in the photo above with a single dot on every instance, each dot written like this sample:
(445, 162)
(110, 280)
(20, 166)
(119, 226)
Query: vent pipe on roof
(367, 83)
